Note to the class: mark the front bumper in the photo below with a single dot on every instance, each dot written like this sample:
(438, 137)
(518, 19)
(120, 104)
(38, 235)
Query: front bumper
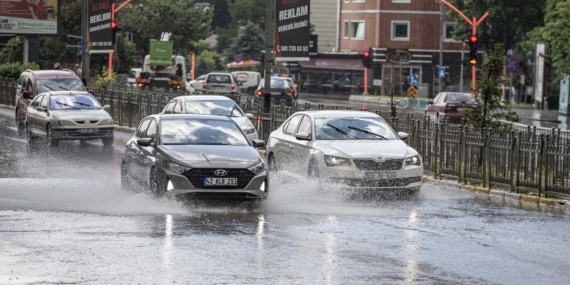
(83, 133)
(405, 179)
(249, 186)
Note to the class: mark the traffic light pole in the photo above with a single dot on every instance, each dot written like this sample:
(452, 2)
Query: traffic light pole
(474, 23)
(113, 11)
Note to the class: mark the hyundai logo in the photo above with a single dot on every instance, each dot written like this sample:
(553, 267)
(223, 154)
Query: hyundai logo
(220, 172)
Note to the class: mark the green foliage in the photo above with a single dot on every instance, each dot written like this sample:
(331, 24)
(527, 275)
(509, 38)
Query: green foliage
(13, 51)
(205, 62)
(248, 44)
(13, 70)
(103, 79)
(556, 33)
(128, 55)
(488, 91)
(244, 11)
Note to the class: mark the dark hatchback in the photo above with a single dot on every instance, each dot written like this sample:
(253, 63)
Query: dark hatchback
(281, 90)
(450, 105)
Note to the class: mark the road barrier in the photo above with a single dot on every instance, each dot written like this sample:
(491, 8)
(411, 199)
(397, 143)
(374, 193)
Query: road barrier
(520, 158)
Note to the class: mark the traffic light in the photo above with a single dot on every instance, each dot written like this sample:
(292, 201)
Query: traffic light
(473, 39)
(114, 29)
(367, 60)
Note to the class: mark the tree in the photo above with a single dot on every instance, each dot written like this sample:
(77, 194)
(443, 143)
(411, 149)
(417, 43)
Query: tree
(248, 44)
(148, 19)
(243, 11)
(488, 93)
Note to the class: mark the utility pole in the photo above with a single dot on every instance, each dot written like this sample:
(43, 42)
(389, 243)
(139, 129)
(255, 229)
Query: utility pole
(441, 37)
(85, 42)
(269, 55)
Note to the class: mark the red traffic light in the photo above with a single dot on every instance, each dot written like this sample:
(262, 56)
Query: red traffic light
(113, 25)
(365, 53)
(473, 39)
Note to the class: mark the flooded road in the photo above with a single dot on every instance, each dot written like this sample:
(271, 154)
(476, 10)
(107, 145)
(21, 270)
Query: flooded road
(65, 219)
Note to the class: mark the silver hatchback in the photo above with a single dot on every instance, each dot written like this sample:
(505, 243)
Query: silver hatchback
(220, 83)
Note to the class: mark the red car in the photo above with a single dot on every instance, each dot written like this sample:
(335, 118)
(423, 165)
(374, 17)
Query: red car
(450, 104)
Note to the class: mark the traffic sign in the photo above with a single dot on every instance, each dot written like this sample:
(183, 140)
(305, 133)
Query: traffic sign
(413, 80)
(441, 72)
(412, 92)
(512, 64)
(79, 49)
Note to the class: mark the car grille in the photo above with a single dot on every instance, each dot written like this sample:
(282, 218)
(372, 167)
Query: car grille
(373, 165)
(396, 182)
(100, 132)
(196, 176)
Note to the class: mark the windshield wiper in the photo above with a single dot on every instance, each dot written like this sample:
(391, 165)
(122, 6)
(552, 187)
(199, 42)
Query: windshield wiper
(67, 105)
(342, 132)
(62, 88)
(367, 132)
(86, 105)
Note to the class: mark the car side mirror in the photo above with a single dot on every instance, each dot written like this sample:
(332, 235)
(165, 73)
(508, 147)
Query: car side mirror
(258, 143)
(27, 95)
(403, 135)
(145, 142)
(302, 136)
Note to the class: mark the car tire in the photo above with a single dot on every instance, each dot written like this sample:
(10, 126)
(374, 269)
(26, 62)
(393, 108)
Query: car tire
(157, 183)
(108, 141)
(51, 141)
(313, 170)
(272, 163)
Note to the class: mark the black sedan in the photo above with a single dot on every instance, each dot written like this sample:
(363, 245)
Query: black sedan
(200, 155)
(281, 90)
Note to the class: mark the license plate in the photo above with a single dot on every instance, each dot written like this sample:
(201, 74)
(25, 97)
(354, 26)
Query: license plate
(219, 181)
(276, 93)
(379, 175)
(88, 131)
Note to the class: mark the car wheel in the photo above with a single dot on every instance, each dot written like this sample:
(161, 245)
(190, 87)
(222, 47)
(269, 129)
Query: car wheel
(51, 141)
(272, 163)
(313, 169)
(108, 141)
(157, 183)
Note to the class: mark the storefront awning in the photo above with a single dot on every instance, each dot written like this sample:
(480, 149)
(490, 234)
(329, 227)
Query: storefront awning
(333, 63)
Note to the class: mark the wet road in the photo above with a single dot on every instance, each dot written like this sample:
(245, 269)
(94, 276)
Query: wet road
(65, 219)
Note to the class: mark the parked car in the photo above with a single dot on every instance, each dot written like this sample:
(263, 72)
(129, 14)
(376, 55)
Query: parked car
(213, 105)
(198, 155)
(68, 115)
(450, 104)
(281, 90)
(356, 149)
(34, 82)
(220, 83)
(195, 86)
(248, 79)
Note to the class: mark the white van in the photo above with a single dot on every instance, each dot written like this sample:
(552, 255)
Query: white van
(248, 79)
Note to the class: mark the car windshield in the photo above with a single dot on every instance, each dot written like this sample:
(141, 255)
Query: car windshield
(75, 102)
(459, 97)
(214, 107)
(59, 84)
(196, 131)
(279, 83)
(353, 128)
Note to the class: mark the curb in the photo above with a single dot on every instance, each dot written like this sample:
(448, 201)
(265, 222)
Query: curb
(541, 202)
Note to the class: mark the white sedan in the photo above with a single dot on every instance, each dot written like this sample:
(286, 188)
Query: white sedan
(357, 149)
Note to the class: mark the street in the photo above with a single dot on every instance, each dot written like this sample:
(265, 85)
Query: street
(65, 219)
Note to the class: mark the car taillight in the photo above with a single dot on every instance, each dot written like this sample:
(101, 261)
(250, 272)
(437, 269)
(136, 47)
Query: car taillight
(291, 92)
(233, 86)
(296, 85)
(204, 85)
(259, 93)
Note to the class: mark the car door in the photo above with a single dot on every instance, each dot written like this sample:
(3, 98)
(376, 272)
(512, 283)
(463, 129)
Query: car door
(148, 153)
(134, 153)
(284, 147)
(41, 117)
(31, 115)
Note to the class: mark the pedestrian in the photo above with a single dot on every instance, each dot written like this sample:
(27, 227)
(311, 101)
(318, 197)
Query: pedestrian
(78, 70)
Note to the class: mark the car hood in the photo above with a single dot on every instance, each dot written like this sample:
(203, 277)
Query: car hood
(206, 156)
(243, 122)
(366, 148)
(83, 114)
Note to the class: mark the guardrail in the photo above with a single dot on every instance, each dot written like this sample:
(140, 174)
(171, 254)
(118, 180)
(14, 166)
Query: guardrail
(524, 159)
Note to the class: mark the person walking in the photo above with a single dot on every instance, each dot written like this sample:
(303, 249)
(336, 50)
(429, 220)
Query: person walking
(78, 70)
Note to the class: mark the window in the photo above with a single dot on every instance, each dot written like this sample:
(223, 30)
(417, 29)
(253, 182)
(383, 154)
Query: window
(400, 31)
(169, 107)
(401, 1)
(151, 131)
(293, 124)
(346, 29)
(448, 32)
(142, 128)
(357, 29)
(305, 126)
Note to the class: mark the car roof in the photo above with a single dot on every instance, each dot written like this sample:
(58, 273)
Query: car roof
(71, 93)
(189, 116)
(53, 73)
(203, 97)
(338, 113)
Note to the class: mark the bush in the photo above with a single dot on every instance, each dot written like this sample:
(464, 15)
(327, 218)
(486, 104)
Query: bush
(13, 70)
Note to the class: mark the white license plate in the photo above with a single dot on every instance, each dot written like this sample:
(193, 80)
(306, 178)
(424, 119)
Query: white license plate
(88, 131)
(276, 93)
(219, 181)
(379, 175)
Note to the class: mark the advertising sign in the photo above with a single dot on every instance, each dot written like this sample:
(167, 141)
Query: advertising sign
(539, 78)
(29, 17)
(563, 99)
(100, 34)
(292, 30)
(160, 52)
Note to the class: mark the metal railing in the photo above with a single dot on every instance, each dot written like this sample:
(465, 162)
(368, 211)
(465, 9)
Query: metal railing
(524, 159)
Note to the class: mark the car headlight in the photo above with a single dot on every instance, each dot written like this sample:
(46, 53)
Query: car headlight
(62, 123)
(107, 121)
(257, 168)
(414, 160)
(249, 129)
(336, 161)
(176, 167)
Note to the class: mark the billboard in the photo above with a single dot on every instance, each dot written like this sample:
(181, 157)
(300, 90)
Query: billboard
(29, 17)
(160, 52)
(100, 34)
(292, 27)
(539, 72)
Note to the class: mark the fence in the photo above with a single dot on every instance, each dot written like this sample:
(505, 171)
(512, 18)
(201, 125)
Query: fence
(524, 159)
